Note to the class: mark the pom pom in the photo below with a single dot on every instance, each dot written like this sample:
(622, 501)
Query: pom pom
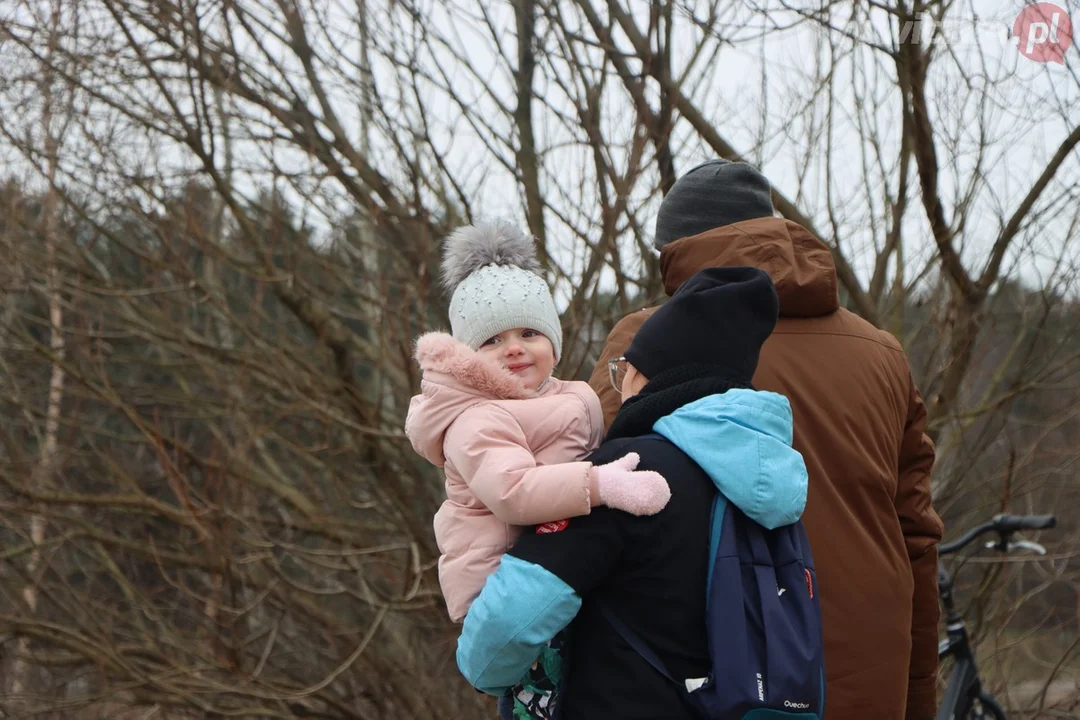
(471, 247)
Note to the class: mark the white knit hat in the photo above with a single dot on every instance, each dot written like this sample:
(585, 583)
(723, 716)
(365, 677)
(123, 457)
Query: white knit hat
(492, 270)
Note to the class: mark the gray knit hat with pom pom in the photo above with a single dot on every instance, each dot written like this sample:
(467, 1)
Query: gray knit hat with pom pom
(491, 270)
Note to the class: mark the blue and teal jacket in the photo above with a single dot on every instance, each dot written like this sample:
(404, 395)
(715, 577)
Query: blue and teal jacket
(729, 447)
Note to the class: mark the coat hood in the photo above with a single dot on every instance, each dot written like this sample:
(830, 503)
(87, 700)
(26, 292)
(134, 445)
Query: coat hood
(742, 439)
(801, 266)
(455, 378)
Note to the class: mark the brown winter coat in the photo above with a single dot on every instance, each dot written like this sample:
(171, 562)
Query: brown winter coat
(859, 424)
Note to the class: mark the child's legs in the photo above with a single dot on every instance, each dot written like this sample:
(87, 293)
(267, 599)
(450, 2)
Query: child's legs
(506, 707)
(537, 693)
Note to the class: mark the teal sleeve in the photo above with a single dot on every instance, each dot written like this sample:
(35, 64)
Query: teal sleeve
(522, 606)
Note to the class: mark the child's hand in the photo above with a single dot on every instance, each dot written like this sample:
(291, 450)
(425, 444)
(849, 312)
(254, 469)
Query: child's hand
(638, 492)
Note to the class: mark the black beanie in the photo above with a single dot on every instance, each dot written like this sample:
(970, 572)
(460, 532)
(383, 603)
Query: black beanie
(718, 192)
(719, 318)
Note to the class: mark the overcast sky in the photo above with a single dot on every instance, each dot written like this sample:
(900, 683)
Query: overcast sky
(756, 83)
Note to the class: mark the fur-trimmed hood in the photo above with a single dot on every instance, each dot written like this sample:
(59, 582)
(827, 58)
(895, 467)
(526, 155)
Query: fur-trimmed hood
(456, 378)
(442, 358)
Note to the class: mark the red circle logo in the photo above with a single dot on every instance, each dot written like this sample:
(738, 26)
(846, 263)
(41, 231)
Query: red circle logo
(1043, 32)
(552, 527)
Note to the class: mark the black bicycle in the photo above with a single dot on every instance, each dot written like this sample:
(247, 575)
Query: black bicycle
(965, 698)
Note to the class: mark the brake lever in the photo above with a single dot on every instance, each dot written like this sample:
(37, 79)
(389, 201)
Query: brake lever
(1017, 545)
(1028, 545)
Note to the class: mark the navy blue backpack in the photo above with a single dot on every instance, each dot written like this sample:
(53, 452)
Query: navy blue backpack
(764, 626)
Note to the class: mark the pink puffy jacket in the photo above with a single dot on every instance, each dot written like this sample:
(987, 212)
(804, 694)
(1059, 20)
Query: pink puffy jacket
(510, 456)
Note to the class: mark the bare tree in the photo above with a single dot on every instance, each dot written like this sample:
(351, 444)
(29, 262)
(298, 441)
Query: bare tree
(54, 120)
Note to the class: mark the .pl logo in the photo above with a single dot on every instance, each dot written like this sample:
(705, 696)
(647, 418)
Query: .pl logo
(1043, 32)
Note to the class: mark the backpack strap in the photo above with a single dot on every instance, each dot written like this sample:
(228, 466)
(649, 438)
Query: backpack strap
(634, 640)
(641, 648)
(716, 527)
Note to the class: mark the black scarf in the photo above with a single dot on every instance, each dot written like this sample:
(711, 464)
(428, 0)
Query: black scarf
(668, 392)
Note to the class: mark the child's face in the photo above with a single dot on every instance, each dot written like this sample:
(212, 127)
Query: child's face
(526, 353)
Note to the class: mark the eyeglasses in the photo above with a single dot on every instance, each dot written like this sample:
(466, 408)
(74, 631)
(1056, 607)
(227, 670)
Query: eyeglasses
(616, 372)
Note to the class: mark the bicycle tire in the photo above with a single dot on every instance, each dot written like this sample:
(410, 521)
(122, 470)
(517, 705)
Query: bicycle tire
(990, 709)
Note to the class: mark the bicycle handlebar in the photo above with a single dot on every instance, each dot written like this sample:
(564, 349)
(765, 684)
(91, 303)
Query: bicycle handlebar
(1002, 524)
(1011, 523)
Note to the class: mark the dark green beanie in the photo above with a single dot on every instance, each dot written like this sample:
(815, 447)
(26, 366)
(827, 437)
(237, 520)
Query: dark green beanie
(716, 193)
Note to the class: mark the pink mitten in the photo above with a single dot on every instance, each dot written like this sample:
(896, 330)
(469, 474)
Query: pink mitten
(638, 492)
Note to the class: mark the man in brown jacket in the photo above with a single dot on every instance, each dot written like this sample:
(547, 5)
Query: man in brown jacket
(859, 424)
